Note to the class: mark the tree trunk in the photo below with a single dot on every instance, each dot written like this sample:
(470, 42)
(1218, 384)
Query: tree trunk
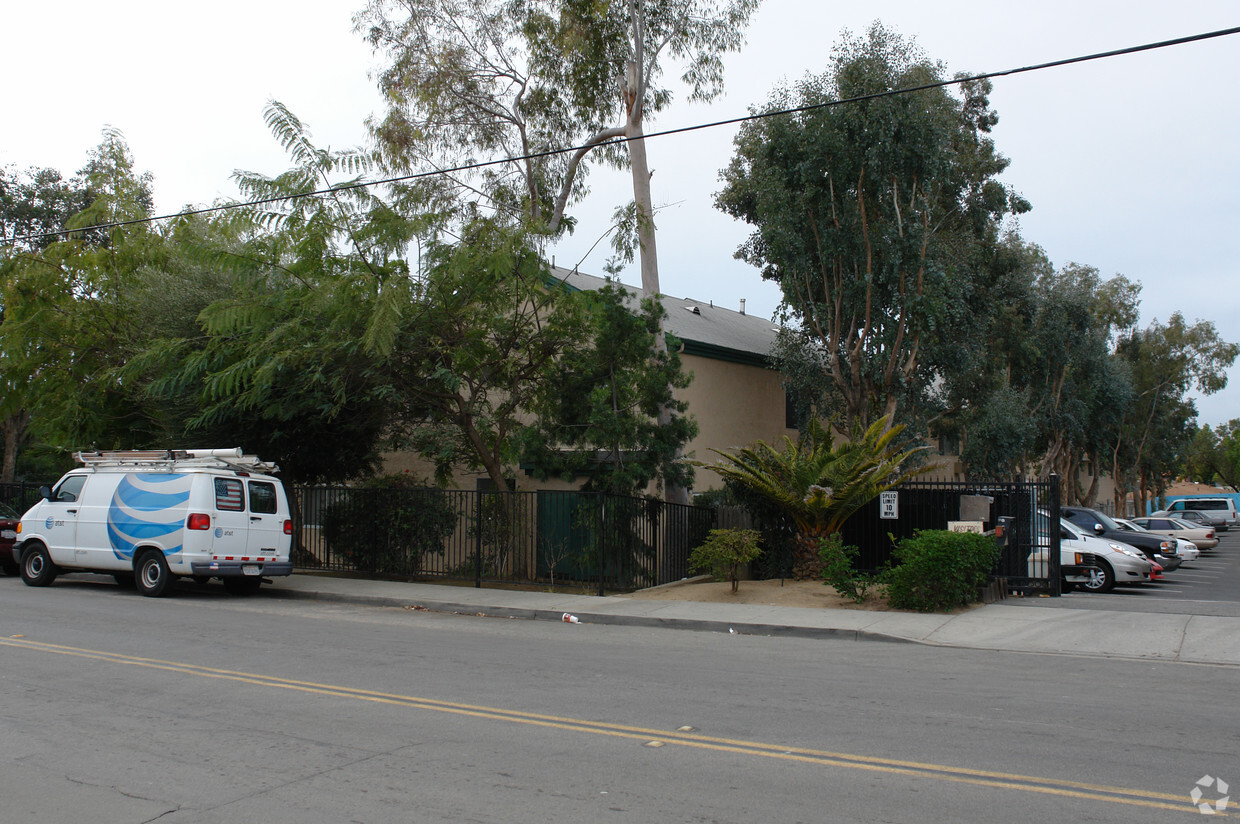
(807, 565)
(634, 92)
(14, 434)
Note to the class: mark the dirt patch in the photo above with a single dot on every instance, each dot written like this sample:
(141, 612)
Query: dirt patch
(786, 593)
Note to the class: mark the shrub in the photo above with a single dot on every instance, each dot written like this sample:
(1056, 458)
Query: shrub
(939, 570)
(724, 552)
(387, 524)
(838, 570)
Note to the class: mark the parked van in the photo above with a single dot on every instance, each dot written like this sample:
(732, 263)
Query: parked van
(1221, 511)
(149, 517)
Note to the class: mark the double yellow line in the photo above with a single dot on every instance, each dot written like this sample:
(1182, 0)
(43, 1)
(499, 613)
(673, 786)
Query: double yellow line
(654, 737)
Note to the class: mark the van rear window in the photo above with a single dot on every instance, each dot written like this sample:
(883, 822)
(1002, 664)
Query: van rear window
(229, 495)
(262, 497)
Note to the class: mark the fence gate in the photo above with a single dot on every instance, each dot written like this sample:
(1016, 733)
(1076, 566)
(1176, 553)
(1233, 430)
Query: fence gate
(1029, 551)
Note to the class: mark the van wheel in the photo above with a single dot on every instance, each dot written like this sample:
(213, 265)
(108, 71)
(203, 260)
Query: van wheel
(37, 567)
(152, 575)
(244, 585)
(1101, 578)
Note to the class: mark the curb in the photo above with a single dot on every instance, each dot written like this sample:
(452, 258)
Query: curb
(602, 619)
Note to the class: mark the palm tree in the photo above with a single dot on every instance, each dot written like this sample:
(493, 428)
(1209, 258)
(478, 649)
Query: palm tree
(818, 483)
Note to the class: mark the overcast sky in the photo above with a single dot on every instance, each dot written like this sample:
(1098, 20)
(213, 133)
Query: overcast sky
(1131, 163)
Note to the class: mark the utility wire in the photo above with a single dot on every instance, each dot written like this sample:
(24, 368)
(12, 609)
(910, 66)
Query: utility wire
(1162, 44)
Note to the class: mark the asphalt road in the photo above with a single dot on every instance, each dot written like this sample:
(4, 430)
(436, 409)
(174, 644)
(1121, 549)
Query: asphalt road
(209, 708)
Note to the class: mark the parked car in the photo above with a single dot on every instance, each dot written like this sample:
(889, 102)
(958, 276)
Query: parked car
(1221, 511)
(1203, 537)
(1113, 562)
(1156, 574)
(8, 537)
(1193, 516)
(1077, 564)
(1155, 547)
(1185, 550)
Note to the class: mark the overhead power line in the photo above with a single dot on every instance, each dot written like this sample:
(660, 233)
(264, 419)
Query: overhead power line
(1162, 44)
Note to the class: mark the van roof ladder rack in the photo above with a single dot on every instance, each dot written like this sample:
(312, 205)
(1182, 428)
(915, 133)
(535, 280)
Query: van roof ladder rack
(233, 458)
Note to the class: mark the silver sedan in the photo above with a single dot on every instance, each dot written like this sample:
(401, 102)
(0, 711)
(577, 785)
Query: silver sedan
(1203, 537)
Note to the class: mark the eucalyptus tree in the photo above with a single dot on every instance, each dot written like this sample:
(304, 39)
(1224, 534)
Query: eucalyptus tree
(1213, 455)
(537, 87)
(872, 215)
(533, 88)
(1165, 362)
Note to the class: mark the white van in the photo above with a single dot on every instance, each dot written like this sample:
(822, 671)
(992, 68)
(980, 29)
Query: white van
(1221, 511)
(150, 517)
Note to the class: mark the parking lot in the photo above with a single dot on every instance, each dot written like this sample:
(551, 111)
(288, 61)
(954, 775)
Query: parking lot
(1208, 586)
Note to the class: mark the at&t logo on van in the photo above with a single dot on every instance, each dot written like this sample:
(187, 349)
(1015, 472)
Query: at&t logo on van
(49, 523)
(219, 532)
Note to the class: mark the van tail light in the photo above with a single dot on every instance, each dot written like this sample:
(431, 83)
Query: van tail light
(199, 520)
(288, 527)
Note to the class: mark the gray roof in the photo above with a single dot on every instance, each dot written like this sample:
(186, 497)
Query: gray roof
(707, 330)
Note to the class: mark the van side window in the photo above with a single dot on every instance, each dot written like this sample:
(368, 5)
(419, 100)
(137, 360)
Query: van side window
(229, 496)
(262, 498)
(69, 490)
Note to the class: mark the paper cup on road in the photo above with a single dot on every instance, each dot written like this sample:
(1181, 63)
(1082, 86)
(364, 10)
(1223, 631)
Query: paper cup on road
(570, 619)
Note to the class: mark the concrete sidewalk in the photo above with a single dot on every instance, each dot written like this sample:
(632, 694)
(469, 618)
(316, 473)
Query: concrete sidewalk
(1002, 626)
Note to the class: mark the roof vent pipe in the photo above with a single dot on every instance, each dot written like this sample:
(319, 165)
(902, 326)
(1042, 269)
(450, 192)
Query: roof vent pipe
(742, 306)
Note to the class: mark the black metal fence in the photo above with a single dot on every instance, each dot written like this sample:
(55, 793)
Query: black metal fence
(1029, 558)
(547, 538)
(20, 495)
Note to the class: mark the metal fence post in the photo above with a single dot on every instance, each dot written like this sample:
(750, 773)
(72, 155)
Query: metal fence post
(478, 493)
(602, 552)
(1055, 585)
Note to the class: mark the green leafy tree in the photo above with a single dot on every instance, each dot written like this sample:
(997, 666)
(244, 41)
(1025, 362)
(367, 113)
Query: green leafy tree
(527, 80)
(1046, 395)
(818, 483)
(1164, 362)
(725, 552)
(33, 206)
(68, 322)
(304, 296)
(871, 216)
(488, 328)
(597, 415)
(1213, 455)
(36, 204)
